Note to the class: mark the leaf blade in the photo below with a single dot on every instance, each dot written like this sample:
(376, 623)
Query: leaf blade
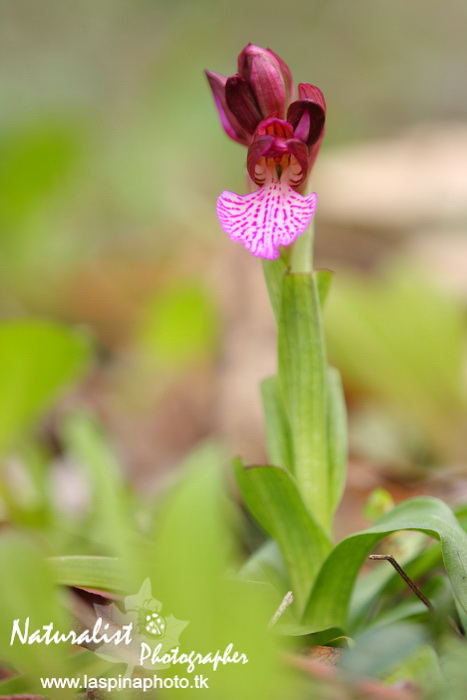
(277, 427)
(38, 359)
(100, 573)
(337, 438)
(329, 600)
(273, 498)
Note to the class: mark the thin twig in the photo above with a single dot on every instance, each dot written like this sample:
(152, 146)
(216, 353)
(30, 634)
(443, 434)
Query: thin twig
(388, 557)
(405, 576)
(286, 601)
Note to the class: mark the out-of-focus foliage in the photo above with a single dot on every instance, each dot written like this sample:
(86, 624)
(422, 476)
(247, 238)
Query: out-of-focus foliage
(108, 138)
(179, 326)
(378, 651)
(400, 340)
(37, 360)
(184, 543)
(96, 533)
(34, 595)
(111, 157)
(379, 502)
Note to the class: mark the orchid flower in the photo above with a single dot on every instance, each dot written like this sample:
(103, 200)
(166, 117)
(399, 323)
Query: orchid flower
(283, 137)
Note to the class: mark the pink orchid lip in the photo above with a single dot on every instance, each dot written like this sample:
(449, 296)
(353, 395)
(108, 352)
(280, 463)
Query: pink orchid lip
(264, 220)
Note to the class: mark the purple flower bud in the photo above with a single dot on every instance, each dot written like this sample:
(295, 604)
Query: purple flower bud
(269, 77)
(262, 88)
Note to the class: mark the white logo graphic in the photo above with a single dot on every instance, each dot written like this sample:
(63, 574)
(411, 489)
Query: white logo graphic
(155, 625)
(144, 614)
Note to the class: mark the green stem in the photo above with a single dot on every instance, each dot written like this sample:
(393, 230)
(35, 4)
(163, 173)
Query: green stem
(297, 258)
(303, 385)
(306, 391)
(301, 253)
(301, 395)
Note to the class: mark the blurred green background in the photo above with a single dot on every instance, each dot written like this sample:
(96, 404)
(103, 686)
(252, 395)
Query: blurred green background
(110, 145)
(112, 156)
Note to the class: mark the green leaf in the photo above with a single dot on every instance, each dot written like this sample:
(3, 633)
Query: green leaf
(378, 652)
(423, 668)
(274, 271)
(110, 524)
(180, 326)
(30, 506)
(193, 547)
(303, 381)
(36, 162)
(323, 282)
(377, 504)
(191, 541)
(101, 573)
(27, 590)
(381, 584)
(413, 337)
(266, 565)
(337, 438)
(38, 359)
(273, 498)
(410, 608)
(76, 664)
(276, 424)
(329, 600)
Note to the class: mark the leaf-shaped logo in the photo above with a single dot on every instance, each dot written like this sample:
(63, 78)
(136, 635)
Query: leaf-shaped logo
(149, 624)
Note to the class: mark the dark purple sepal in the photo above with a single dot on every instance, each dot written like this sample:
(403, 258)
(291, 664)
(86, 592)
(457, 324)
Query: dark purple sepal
(241, 102)
(230, 123)
(307, 118)
(307, 114)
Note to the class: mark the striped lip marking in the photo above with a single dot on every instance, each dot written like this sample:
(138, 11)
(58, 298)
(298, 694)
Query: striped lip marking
(273, 216)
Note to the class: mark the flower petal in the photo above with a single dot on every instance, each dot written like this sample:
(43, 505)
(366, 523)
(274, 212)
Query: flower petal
(307, 119)
(258, 148)
(287, 75)
(267, 85)
(242, 103)
(269, 77)
(231, 125)
(299, 150)
(273, 216)
(307, 114)
(274, 127)
(311, 92)
(271, 140)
